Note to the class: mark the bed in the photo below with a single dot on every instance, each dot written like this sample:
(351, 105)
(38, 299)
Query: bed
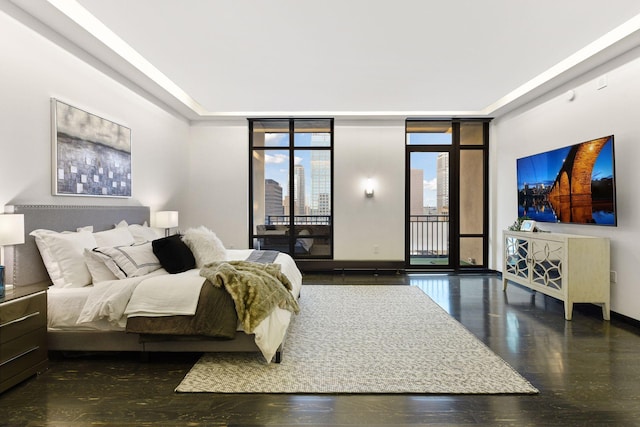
(71, 328)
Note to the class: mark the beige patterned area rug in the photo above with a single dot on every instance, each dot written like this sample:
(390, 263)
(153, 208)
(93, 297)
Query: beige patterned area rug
(365, 339)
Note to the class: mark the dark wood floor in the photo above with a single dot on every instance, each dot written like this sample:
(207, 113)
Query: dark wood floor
(587, 371)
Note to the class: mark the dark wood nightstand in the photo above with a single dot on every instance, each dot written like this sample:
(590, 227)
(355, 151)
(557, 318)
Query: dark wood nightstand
(23, 333)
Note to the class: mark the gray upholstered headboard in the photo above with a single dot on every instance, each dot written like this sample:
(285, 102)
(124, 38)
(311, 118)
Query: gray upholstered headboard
(24, 264)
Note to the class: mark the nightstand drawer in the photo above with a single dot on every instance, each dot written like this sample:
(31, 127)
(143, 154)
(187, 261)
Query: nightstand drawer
(23, 353)
(21, 316)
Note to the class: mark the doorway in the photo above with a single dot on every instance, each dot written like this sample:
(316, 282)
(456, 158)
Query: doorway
(446, 194)
(429, 225)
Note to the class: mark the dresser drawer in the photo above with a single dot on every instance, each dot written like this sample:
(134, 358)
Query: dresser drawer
(23, 353)
(21, 316)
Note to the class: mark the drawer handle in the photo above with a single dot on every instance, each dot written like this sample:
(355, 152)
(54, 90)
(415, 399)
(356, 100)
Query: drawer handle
(21, 319)
(24, 353)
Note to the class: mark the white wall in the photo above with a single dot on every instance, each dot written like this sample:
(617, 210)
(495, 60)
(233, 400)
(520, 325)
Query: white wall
(369, 228)
(554, 122)
(219, 181)
(34, 69)
(364, 228)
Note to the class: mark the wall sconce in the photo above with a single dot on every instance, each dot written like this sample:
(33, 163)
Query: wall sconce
(11, 233)
(167, 220)
(368, 189)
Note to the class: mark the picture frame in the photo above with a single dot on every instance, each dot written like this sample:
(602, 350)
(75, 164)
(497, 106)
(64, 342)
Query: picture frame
(91, 156)
(528, 225)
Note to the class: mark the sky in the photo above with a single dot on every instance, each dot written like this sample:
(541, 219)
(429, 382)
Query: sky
(427, 161)
(277, 162)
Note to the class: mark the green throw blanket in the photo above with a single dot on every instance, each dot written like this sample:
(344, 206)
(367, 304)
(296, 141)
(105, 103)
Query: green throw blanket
(256, 289)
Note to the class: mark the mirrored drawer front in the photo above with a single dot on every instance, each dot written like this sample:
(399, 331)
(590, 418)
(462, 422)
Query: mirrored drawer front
(21, 316)
(22, 353)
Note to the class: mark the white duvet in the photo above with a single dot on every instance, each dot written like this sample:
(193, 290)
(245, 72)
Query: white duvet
(161, 294)
(166, 295)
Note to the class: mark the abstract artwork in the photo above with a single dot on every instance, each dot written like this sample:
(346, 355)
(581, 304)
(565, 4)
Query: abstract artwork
(91, 155)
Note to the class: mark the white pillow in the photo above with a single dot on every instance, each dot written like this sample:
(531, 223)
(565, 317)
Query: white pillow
(62, 254)
(135, 260)
(142, 233)
(114, 237)
(205, 245)
(101, 267)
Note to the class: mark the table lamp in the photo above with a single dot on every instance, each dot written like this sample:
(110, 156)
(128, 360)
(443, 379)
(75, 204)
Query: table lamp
(167, 220)
(11, 233)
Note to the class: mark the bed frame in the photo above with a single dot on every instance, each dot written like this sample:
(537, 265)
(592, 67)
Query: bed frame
(25, 266)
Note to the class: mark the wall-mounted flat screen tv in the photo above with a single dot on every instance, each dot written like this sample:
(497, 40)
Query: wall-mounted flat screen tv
(574, 184)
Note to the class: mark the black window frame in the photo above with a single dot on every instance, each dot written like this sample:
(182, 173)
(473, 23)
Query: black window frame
(454, 149)
(292, 148)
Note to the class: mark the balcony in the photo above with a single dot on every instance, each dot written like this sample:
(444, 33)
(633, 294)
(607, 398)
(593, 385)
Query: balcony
(312, 239)
(428, 234)
(429, 239)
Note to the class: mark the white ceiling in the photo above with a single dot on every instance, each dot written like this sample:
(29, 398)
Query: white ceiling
(220, 58)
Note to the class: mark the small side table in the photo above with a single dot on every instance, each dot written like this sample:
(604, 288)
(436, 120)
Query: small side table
(23, 333)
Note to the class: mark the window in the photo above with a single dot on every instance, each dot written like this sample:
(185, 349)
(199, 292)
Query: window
(291, 194)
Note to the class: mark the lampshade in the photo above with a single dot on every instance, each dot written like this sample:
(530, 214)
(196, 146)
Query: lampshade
(12, 229)
(167, 219)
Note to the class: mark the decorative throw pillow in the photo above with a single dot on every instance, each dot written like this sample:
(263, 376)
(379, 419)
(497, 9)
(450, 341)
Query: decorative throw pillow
(205, 245)
(101, 267)
(174, 255)
(62, 254)
(135, 260)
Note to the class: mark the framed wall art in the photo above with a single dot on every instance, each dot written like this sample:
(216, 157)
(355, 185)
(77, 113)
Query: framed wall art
(91, 155)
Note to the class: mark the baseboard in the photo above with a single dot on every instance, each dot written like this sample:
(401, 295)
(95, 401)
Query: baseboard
(626, 319)
(330, 265)
(359, 266)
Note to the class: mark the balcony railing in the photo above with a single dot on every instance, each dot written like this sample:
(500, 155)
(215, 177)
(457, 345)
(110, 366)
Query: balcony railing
(429, 235)
(298, 220)
(311, 239)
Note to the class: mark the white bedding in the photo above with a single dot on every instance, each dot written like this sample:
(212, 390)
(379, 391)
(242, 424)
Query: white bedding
(166, 295)
(105, 305)
(63, 309)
